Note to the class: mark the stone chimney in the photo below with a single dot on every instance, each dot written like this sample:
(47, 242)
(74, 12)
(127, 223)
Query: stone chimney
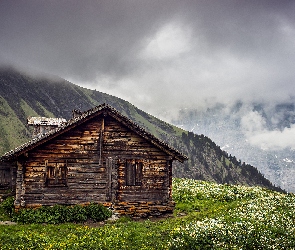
(43, 125)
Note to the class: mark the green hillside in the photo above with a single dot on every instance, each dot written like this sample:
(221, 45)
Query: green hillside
(207, 216)
(23, 95)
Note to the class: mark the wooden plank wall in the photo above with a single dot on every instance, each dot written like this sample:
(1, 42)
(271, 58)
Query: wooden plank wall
(87, 150)
(86, 176)
(123, 143)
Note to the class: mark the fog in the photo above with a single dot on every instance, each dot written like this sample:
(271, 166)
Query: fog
(162, 56)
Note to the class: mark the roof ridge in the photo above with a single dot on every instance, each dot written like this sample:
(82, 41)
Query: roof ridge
(142, 131)
(73, 120)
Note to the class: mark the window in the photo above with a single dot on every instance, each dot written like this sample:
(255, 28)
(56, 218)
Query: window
(133, 172)
(56, 174)
(4, 178)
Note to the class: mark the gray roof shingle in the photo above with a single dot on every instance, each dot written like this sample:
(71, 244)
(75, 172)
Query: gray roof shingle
(103, 108)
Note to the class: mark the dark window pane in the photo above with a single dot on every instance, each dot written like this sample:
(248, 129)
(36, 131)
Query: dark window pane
(133, 172)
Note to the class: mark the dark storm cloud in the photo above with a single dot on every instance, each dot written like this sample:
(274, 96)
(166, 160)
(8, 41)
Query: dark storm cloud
(173, 53)
(81, 39)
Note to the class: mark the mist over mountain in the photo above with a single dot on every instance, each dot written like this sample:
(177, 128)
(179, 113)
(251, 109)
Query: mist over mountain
(262, 134)
(158, 55)
(23, 95)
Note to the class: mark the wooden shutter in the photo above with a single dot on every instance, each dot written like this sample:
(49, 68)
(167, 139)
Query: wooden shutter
(130, 178)
(138, 173)
(133, 172)
(56, 174)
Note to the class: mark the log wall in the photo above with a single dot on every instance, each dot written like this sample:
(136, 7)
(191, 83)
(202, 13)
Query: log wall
(94, 155)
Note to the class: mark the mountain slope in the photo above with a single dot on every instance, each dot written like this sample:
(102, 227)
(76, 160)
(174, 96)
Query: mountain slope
(261, 134)
(23, 95)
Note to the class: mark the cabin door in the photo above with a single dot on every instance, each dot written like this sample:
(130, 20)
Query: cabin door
(112, 179)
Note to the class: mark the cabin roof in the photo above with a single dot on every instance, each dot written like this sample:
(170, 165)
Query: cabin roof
(103, 109)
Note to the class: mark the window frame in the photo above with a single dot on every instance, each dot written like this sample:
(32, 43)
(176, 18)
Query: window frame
(133, 172)
(56, 174)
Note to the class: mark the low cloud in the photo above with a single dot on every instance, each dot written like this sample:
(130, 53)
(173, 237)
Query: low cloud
(159, 55)
(257, 133)
(170, 41)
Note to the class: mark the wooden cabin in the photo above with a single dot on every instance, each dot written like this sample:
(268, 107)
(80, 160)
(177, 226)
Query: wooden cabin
(98, 156)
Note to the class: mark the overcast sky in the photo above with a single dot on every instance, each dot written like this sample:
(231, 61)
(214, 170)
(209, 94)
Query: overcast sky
(159, 55)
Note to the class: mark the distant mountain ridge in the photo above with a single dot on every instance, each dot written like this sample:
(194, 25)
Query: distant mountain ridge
(23, 95)
(233, 128)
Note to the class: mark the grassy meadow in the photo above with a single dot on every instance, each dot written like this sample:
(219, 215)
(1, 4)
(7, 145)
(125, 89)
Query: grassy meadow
(207, 216)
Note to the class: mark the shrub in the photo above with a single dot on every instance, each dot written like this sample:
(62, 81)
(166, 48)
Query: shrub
(97, 212)
(77, 213)
(61, 214)
(8, 205)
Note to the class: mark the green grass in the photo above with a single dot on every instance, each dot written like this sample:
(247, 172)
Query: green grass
(207, 216)
(46, 112)
(12, 129)
(27, 109)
